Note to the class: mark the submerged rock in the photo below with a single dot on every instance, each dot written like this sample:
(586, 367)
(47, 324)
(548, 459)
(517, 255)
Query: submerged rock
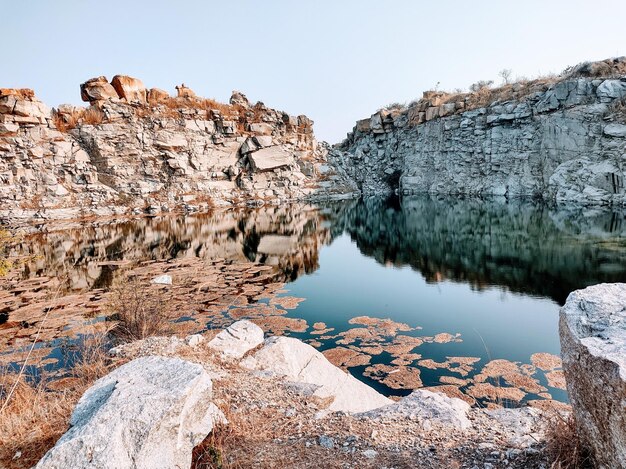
(148, 413)
(428, 407)
(237, 339)
(593, 348)
(299, 362)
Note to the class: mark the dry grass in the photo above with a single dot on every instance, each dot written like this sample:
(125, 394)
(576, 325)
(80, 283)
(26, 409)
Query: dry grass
(563, 445)
(92, 116)
(227, 446)
(37, 411)
(64, 122)
(140, 310)
(5, 241)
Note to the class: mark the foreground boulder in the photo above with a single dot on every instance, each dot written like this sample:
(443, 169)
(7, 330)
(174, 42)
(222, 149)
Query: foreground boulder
(301, 363)
(593, 347)
(428, 408)
(237, 339)
(148, 413)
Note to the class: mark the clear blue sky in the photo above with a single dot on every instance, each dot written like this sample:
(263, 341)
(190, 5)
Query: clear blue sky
(335, 60)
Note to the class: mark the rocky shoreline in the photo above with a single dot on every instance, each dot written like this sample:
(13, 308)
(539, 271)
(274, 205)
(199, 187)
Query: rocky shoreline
(280, 401)
(297, 402)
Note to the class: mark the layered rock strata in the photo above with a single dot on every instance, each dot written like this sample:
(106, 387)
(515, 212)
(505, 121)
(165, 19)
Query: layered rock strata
(593, 347)
(141, 149)
(557, 139)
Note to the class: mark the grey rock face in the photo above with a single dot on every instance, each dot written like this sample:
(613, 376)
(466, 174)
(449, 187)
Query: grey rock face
(553, 144)
(237, 339)
(427, 407)
(148, 413)
(592, 328)
(271, 158)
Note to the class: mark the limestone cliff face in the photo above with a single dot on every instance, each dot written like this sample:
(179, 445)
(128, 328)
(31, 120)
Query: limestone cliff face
(141, 150)
(561, 140)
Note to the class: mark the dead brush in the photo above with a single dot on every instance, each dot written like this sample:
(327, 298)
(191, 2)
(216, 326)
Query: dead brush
(92, 116)
(36, 409)
(225, 447)
(564, 447)
(64, 122)
(139, 310)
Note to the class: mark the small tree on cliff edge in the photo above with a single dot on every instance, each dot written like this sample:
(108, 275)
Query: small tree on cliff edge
(506, 74)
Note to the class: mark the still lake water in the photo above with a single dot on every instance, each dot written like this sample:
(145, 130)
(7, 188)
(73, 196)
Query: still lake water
(490, 273)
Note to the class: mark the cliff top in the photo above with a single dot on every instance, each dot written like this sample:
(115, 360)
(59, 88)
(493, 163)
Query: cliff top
(482, 93)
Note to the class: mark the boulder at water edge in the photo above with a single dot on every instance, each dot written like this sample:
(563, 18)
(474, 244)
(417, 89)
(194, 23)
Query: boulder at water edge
(301, 363)
(428, 408)
(237, 339)
(148, 413)
(593, 348)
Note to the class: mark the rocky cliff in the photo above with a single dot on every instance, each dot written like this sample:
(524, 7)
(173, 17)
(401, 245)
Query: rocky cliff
(143, 150)
(559, 139)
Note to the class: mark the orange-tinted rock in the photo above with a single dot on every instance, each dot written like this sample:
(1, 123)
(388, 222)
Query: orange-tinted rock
(97, 89)
(185, 92)
(20, 93)
(156, 95)
(129, 88)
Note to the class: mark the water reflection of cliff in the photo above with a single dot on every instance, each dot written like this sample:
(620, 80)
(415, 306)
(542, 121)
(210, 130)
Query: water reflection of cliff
(288, 237)
(524, 247)
(527, 248)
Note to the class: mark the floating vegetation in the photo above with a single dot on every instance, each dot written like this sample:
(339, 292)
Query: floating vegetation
(346, 358)
(546, 361)
(556, 379)
(395, 377)
(287, 302)
(279, 325)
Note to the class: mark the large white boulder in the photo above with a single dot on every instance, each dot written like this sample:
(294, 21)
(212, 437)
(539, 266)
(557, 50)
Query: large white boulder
(237, 339)
(301, 363)
(148, 413)
(427, 407)
(270, 158)
(593, 348)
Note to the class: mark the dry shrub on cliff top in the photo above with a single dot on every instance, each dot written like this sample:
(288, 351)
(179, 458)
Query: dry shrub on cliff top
(92, 116)
(67, 121)
(35, 411)
(5, 263)
(141, 310)
(563, 444)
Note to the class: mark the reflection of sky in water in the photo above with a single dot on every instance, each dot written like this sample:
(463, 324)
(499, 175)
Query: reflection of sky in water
(348, 284)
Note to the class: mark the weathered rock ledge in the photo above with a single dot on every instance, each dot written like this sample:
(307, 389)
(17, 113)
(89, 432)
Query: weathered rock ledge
(300, 407)
(558, 139)
(135, 150)
(593, 343)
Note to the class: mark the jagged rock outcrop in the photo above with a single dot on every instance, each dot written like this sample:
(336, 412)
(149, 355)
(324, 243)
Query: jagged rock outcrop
(428, 408)
(143, 150)
(561, 140)
(593, 347)
(150, 412)
(237, 339)
(301, 363)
